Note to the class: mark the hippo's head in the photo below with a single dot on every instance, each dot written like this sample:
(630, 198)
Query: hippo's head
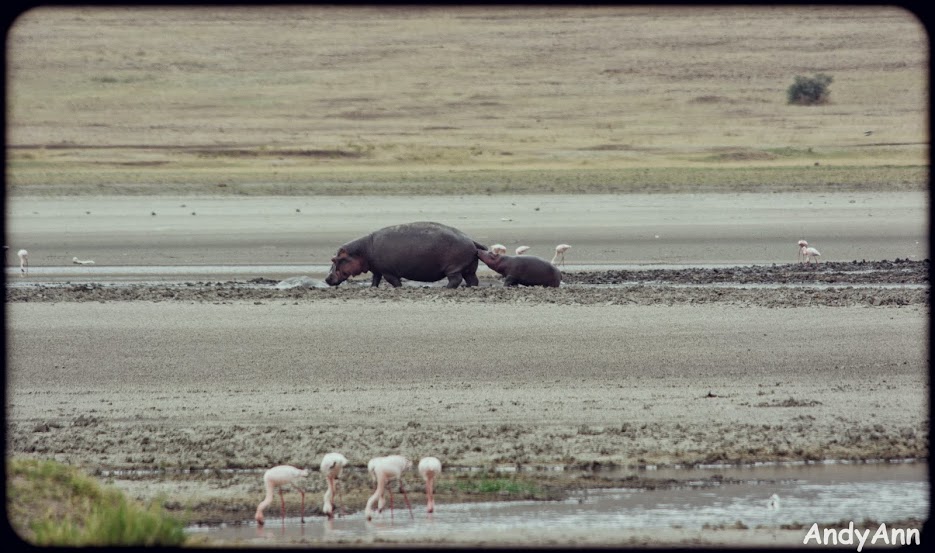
(488, 258)
(345, 265)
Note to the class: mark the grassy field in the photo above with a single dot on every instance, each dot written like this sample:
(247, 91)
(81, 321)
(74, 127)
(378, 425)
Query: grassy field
(393, 100)
(50, 504)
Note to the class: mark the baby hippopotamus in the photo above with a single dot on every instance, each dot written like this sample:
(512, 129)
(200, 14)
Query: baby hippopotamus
(527, 270)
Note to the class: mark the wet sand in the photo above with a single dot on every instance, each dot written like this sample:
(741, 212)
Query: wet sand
(635, 228)
(477, 377)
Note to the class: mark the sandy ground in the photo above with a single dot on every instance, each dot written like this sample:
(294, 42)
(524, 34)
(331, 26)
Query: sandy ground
(480, 377)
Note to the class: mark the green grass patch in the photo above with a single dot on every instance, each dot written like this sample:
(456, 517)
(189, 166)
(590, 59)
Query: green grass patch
(51, 504)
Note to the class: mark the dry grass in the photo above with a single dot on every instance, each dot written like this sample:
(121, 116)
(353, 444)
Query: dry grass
(288, 98)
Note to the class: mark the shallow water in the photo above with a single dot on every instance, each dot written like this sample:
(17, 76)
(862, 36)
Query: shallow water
(822, 493)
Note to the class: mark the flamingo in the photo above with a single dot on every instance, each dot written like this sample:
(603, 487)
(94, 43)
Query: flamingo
(810, 253)
(77, 261)
(803, 245)
(521, 250)
(560, 253)
(498, 249)
(773, 503)
(384, 469)
(331, 466)
(23, 262)
(277, 477)
(429, 468)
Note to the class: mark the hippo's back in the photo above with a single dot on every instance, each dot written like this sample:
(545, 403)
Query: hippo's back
(535, 271)
(423, 251)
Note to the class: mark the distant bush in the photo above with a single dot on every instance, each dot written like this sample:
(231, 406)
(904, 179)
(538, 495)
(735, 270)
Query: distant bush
(808, 91)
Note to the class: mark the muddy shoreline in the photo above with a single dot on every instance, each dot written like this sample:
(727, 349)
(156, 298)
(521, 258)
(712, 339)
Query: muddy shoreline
(643, 287)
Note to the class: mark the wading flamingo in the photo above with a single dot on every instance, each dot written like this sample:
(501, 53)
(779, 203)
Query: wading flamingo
(810, 253)
(331, 466)
(384, 469)
(23, 262)
(277, 477)
(560, 254)
(521, 250)
(498, 249)
(773, 503)
(803, 245)
(429, 468)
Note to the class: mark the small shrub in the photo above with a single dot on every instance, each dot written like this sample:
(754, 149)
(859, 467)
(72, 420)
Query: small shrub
(807, 91)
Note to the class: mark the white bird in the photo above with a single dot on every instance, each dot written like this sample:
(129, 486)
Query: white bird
(803, 245)
(521, 250)
(429, 468)
(384, 469)
(560, 253)
(810, 253)
(77, 261)
(498, 249)
(278, 477)
(331, 466)
(23, 262)
(773, 503)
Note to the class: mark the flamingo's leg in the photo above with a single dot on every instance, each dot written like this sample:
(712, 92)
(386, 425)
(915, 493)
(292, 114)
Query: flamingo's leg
(301, 491)
(406, 497)
(336, 492)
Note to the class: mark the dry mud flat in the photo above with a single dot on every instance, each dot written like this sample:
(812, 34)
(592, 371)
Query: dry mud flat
(212, 381)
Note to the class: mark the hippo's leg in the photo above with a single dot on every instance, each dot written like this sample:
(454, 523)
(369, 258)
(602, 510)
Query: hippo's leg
(470, 274)
(393, 280)
(375, 281)
(454, 280)
(510, 281)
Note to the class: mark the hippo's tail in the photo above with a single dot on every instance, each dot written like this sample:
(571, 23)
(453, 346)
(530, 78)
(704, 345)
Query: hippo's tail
(480, 246)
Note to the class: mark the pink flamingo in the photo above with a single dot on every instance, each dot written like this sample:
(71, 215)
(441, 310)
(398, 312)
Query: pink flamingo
(803, 245)
(560, 253)
(23, 262)
(521, 250)
(384, 469)
(277, 477)
(498, 249)
(331, 466)
(810, 253)
(429, 468)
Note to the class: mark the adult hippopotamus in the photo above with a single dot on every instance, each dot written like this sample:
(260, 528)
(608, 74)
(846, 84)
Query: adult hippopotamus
(528, 270)
(416, 251)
